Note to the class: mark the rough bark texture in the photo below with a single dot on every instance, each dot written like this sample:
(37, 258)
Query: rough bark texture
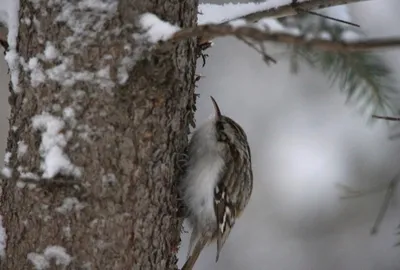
(125, 138)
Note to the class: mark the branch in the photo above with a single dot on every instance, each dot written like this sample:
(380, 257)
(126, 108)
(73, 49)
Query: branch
(292, 9)
(389, 188)
(385, 204)
(211, 31)
(389, 118)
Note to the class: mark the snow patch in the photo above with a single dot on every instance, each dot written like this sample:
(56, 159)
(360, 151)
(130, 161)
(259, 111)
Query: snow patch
(69, 204)
(325, 35)
(6, 172)
(156, 29)
(213, 13)
(126, 65)
(56, 253)
(22, 184)
(50, 52)
(51, 148)
(38, 261)
(69, 117)
(22, 149)
(11, 56)
(27, 175)
(58, 73)
(238, 23)
(7, 157)
(37, 76)
(63, 75)
(68, 113)
(86, 19)
(350, 36)
(266, 24)
(103, 78)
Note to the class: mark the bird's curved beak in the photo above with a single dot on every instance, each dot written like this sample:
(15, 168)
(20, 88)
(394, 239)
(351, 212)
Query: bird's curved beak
(217, 111)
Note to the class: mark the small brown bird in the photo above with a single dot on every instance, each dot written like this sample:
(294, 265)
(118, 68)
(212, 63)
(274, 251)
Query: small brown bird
(218, 182)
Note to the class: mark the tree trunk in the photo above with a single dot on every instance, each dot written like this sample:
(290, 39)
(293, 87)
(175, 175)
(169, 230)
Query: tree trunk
(95, 135)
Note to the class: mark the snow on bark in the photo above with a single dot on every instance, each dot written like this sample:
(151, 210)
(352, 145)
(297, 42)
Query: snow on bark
(55, 254)
(22, 148)
(37, 76)
(12, 56)
(125, 65)
(54, 160)
(69, 204)
(24, 174)
(157, 29)
(7, 157)
(6, 172)
(62, 73)
(38, 261)
(86, 19)
(50, 52)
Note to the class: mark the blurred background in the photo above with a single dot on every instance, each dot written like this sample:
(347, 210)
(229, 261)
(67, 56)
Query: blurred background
(305, 140)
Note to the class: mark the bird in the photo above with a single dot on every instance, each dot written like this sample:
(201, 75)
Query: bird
(217, 183)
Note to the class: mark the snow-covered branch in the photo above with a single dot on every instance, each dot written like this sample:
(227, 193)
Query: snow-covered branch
(258, 35)
(265, 30)
(213, 18)
(293, 7)
(251, 12)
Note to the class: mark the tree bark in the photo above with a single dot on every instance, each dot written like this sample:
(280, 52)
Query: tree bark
(114, 206)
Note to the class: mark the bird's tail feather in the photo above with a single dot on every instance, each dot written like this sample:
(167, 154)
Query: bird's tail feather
(194, 255)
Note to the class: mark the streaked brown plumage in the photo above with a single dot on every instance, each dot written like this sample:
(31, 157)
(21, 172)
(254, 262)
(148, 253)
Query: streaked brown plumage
(218, 182)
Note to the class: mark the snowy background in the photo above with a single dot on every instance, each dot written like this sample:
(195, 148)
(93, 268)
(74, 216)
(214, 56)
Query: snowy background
(304, 141)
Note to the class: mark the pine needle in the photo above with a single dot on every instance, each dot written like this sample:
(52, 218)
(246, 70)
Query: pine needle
(364, 77)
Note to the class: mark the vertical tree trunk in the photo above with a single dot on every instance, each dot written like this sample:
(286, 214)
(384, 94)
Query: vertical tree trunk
(106, 128)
